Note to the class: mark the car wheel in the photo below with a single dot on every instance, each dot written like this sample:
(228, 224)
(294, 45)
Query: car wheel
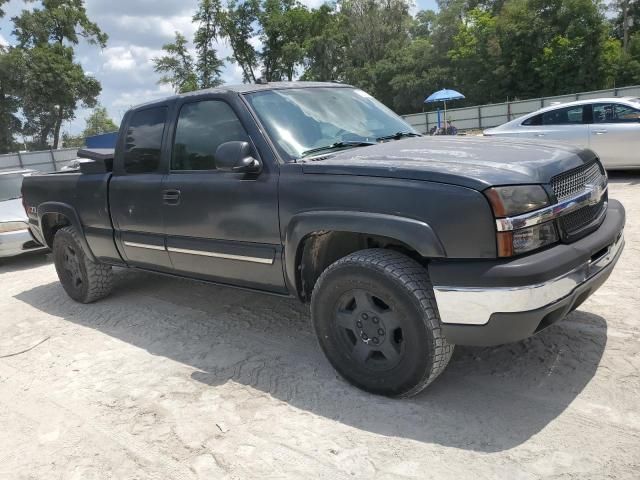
(84, 280)
(376, 320)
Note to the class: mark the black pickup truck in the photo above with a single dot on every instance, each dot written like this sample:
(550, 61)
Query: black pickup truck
(403, 245)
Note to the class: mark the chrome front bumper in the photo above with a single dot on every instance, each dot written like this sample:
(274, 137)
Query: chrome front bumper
(476, 305)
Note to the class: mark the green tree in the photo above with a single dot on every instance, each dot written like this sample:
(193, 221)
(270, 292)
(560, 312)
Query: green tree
(236, 25)
(2, 2)
(208, 65)
(97, 122)
(284, 26)
(325, 45)
(177, 66)
(10, 124)
(53, 85)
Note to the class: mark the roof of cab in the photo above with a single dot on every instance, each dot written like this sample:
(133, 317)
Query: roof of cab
(245, 88)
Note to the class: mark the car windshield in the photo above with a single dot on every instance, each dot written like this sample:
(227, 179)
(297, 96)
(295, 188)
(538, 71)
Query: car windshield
(302, 121)
(10, 185)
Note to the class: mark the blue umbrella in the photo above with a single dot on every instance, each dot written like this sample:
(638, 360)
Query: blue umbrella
(442, 96)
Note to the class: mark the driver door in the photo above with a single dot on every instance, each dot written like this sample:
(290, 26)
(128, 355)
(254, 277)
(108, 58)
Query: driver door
(220, 226)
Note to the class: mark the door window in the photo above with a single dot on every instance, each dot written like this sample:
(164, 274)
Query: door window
(202, 128)
(144, 140)
(615, 113)
(563, 116)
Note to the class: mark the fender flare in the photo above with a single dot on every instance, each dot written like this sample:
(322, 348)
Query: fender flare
(414, 233)
(72, 215)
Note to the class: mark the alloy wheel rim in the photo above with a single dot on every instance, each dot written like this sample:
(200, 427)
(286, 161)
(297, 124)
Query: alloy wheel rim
(370, 330)
(71, 265)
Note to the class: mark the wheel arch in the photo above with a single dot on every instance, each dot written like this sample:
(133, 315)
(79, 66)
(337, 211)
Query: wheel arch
(52, 216)
(314, 240)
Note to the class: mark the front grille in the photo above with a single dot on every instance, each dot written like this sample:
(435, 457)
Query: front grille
(569, 184)
(575, 222)
(572, 183)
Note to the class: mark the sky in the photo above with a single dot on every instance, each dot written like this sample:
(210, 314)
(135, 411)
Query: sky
(137, 30)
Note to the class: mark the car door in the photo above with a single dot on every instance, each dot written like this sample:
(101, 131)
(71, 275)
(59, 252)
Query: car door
(220, 226)
(565, 124)
(135, 190)
(615, 134)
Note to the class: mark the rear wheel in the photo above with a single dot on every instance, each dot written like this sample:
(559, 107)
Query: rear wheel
(375, 317)
(83, 280)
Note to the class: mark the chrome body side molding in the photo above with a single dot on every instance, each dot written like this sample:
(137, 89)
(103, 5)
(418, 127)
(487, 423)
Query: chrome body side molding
(228, 256)
(144, 245)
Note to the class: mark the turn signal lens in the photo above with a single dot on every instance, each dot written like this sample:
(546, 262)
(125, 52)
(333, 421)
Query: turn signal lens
(526, 239)
(517, 199)
(12, 226)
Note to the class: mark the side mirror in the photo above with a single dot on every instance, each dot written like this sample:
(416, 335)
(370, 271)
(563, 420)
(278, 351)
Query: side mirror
(236, 157)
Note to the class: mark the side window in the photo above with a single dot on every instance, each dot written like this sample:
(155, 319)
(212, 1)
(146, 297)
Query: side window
(533, 121)
(144, 140)
(564, 116)
(615, 113)
(202, 127)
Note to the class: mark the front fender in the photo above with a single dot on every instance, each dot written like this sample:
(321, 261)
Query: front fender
(414, 233)
(70, 214)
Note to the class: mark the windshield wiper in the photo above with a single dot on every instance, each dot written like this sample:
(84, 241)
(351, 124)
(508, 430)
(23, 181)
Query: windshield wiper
(398, 136)
(352, 143)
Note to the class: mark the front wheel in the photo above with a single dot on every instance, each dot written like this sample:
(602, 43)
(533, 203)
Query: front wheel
(84, 280)
(375, 317)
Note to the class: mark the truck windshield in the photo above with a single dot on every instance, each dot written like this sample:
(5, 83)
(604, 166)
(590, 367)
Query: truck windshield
(303, 120)
(10, 185)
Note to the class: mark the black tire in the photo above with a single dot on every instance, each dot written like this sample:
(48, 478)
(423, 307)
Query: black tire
(392, 343)
(83, 280)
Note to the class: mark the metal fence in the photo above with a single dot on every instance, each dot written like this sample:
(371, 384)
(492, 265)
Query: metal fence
(486, 116)
(43, 161)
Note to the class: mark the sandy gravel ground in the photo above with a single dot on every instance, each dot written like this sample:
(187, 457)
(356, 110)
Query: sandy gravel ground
(175, 379)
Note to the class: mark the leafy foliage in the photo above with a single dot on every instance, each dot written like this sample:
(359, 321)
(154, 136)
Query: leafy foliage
(489, 49)
(178, 66)
(98, 122)
(208, 65)
(49, 83)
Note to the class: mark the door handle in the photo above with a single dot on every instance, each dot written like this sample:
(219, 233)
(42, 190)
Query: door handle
(171, 197)
(539, 134)
(599, 132)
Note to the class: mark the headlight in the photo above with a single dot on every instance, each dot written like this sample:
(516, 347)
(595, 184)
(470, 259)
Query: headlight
(517, 200)
(507, 201)
(12, 226)
(526, 239)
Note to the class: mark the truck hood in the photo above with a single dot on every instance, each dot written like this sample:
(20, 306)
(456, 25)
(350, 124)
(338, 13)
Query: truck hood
(473, 162)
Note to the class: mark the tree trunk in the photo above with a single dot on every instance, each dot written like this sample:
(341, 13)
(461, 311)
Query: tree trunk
(56, 130)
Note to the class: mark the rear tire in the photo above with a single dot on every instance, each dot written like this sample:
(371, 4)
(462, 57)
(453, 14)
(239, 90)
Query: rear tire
(376, 320)
(84, 280)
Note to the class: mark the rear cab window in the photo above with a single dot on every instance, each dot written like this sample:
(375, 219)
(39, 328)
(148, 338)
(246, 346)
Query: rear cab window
(143, 140)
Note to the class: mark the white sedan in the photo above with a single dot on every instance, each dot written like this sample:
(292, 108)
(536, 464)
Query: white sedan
(15, 237)
(609, 126)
